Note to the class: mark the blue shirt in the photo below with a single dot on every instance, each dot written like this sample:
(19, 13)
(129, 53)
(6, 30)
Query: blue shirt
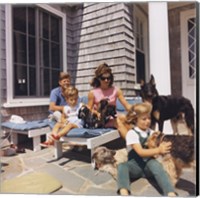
(57, 97)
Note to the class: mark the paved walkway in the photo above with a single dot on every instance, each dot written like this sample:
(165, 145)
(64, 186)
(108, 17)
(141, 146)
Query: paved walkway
(77, 176)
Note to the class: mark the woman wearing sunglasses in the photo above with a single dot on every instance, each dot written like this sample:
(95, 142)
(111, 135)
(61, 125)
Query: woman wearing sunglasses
(103, 88)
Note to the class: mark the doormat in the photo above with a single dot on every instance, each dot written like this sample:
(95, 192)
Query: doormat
(32, 183)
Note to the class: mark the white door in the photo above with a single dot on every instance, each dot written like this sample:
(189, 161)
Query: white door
(188, 54)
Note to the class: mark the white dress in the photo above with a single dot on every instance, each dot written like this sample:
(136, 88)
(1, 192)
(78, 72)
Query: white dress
(72, 114)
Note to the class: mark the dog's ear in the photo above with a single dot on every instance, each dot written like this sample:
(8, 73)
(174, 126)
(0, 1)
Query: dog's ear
(152, 80)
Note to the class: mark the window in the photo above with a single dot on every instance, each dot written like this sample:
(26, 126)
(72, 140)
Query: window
(191, 23)
(139, 34)
(37, 51)
(140, 30)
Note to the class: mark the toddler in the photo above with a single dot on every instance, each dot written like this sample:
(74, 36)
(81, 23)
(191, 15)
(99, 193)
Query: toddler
(69, 118)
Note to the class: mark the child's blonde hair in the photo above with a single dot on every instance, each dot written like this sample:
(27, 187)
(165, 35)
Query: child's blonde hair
(70, 92)
(138, 110)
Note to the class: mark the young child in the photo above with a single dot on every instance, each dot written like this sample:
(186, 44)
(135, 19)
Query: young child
(141, 162)
(69, 119)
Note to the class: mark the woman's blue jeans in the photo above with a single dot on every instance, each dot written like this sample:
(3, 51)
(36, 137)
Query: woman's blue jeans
(151, 168)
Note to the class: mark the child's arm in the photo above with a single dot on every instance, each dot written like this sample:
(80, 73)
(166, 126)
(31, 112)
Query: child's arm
(162, 149)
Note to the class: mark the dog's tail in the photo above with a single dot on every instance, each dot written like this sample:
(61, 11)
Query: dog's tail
(189, 114)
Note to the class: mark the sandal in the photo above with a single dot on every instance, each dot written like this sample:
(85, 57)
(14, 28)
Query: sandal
(54, 137)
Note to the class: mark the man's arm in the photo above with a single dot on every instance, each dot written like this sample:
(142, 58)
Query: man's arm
(54, 107)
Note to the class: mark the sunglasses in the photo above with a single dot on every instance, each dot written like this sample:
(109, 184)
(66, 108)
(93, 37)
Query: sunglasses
(105, 78)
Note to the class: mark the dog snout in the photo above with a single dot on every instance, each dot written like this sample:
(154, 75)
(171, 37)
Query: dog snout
(81, 115)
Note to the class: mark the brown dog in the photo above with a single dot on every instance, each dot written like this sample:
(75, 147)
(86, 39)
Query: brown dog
(106, 160)
(180, 156)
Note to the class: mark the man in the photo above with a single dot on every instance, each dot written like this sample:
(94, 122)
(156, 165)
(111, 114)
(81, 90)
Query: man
(57, 99)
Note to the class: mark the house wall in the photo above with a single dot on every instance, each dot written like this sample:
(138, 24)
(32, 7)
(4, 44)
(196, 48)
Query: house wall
(97, 33)
(2, 53)
(175, 48)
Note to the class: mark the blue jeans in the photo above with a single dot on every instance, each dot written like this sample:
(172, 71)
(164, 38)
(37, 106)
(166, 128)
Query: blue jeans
(151, 168)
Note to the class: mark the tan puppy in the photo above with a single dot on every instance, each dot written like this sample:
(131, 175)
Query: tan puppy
(106, 160)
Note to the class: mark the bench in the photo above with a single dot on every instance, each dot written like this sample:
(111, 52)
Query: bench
(32, 129)
(90, 142)
(91, 138)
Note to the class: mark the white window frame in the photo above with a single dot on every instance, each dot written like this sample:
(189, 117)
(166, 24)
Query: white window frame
(184, 45)
(143, 18)
(23, 102)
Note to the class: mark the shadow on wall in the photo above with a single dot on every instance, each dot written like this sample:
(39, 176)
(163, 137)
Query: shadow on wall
(74, 22)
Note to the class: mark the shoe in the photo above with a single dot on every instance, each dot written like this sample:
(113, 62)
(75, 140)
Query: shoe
(46, 144)
(54, 137)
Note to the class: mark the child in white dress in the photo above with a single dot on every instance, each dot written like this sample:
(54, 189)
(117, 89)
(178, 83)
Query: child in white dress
(69, 119)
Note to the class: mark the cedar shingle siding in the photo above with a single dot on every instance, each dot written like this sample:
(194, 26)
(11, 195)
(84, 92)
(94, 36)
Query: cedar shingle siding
(96, 33)
(3, 53)
(101, 32)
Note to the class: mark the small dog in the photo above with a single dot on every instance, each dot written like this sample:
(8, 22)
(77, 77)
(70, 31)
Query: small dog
(167, 107)
(90, 119)
(181, 155)
(106, 111)
(106, 160)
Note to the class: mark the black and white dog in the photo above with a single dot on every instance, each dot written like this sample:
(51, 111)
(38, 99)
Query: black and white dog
(91, 120)
(167, 107)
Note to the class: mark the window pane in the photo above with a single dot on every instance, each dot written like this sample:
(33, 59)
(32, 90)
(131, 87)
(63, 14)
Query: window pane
(20, 52)
(46, 84)
(55, 75)
(192, 48)
(32, 51)
(32, 81)
(20, 80)
(45, 53)
(19, 18)
(45, 25)
(54, 29)
(55, 54)
(31, 21)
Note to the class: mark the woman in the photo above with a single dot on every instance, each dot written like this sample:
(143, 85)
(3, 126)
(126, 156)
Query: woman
(104, 89)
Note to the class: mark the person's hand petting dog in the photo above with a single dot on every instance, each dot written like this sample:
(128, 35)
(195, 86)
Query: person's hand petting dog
(165, 147)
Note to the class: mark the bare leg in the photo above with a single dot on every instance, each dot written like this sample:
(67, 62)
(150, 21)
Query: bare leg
(55, 130)
(66, 129)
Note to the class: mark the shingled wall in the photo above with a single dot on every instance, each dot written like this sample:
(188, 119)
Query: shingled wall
(101, 32)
